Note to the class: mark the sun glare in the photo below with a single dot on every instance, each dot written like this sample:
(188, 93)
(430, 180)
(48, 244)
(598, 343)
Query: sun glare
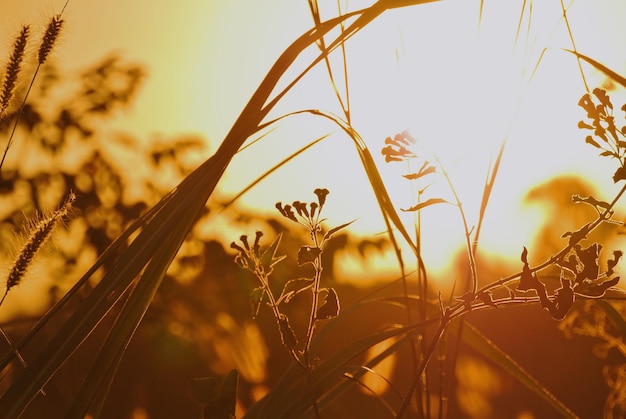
(464, 85)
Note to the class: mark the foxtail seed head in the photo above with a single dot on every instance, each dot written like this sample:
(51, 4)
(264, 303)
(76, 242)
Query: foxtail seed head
(36, 239)
(13, 69)
(49, 38)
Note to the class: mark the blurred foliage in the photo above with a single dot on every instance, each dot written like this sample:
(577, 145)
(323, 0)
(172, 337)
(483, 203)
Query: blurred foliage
(200, 323)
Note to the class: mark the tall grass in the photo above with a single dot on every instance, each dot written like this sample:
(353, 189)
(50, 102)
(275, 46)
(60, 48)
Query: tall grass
(139, 258)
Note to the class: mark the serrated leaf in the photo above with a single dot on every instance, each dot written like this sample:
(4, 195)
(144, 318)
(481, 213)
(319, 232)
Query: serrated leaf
(256, 298)
(308, 254)
(427, 203)
(330, 305)
(332, 231)
(294, 287)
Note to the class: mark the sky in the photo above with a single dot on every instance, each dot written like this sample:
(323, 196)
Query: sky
(460, 88)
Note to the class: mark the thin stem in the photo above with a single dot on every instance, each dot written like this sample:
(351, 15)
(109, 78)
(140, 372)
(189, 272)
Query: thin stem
(315, 297)
(571, 37)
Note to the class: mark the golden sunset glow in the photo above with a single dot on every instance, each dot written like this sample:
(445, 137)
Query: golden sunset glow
(186, 211)
(461, 83)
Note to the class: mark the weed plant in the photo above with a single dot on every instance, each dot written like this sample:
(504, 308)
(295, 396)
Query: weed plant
(128, 273)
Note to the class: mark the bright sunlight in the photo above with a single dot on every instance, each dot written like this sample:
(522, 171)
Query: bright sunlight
(312, 209)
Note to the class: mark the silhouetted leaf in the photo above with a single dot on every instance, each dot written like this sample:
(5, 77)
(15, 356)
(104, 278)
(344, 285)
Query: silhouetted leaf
(330, 305)
(591, 201)
(332, 231)
(611, 263)
(486, 298)
(256, 298)
(268, 258)
(593, 289)
(423, 171)
(589, 259)
(287, 335)
(620, 174)
(528, 280)
(612, 74)
(427, 203)
(577, 235)
(563, 300)
(308, 254)
(294, 287)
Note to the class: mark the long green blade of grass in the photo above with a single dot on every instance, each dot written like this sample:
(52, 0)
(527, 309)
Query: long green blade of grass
(480, 342)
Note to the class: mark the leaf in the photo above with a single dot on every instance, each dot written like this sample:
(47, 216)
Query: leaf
(308, 254)
(563, 300)
(256, 298)
(486, 298)
(577, 235)
(591, 201)
(620, 174)
(589, 258)
(611, 263)
(612, 74)
(528, 280)
(287, 335)
(332, 231)
(593, 289)
(427, 203)
(330, 306)
(423, 171)
(268, 258)
(294, 287)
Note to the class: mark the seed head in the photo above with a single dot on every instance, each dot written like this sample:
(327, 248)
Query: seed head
(36, 239)
(50, 37)
(13, 69)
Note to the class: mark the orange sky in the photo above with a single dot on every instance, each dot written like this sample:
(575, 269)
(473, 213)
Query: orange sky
(428, 69)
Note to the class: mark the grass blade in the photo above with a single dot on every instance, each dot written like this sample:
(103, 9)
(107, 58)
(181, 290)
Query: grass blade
(598, 66)
(480, 342)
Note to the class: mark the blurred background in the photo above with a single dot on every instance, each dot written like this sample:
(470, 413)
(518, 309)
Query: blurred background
(137, 94)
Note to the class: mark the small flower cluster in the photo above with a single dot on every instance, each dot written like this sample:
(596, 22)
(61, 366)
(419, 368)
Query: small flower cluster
(602, 123)
(259, 262)
(309, 217)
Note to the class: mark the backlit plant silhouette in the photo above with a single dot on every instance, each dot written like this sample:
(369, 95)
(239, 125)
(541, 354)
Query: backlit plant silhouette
(330, 353)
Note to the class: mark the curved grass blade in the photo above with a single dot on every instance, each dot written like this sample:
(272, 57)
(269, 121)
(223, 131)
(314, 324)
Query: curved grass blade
(277, 166)
(281, 403)
(192, 192)
(612, 74)
(480, 342)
